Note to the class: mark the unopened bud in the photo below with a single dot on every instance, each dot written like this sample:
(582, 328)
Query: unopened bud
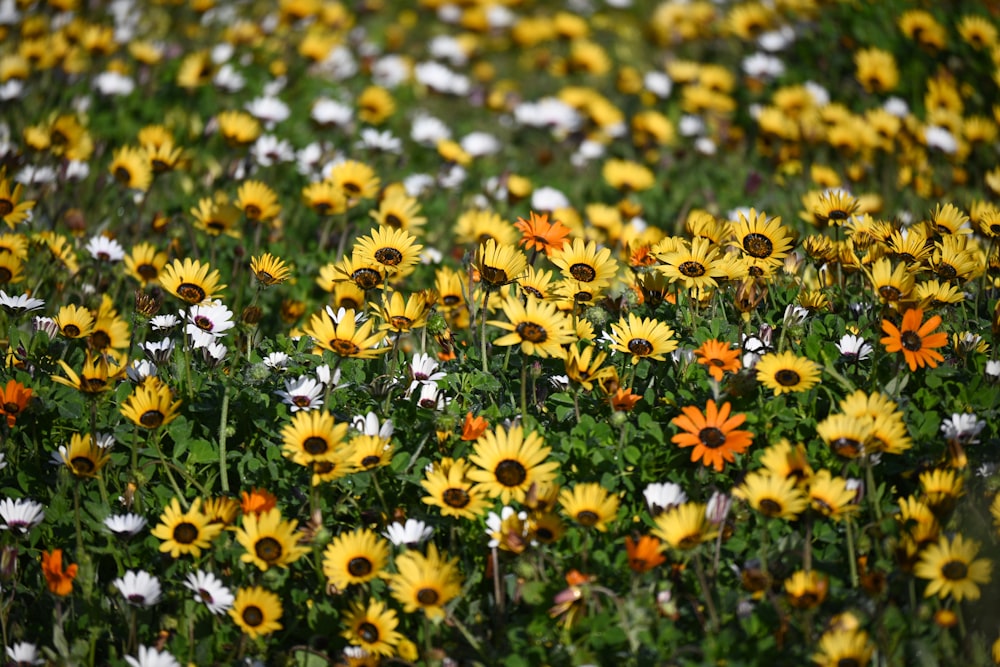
(147, 305)
(251, 315)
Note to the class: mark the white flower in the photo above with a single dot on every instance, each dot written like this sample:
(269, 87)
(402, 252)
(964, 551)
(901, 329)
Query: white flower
(418, 184)
(113, 83)
(339, 64)
(104, 439)
(270, 110)
(993, 368)
(794, 315)
(139, 588)
(210, 591)
(428, 131)
(431, 398)
(963, 427)
(854, 347)
(369, 425)
(303, 393)
(214, 353)
(307, 159)
(498, 16)
(206, 323)
(494, 523)
(439, 78)
(423, 370)
(19, 304)
(449, 48)
(328, 378)
(705, 146)
(410, 534)
(548, 112)
(276, 361)
(452, 176)
(140, 369)
(776, 40)
(11, 89)
(21, 514)
(229, 79)
(547, 198)
(164, 322)
(46, 324)
(478, 144)
(150, 657)
(159, 351)
(658, 83)
(3, 463)
(941, 139)
(718, 507)
(690, 126)
(23, 653)
(390, 71)
(763, 66)
(269, 150)
(31, 175)
(385, 142)
(331, 112)
(820, 95)
(662, 496)
(125, 525)
(897, 107)
(77, 170)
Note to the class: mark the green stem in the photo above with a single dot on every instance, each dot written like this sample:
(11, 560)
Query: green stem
(524, 387)
(223, 472)
(170, 475)
(852, 560)
(482, 331)
(707, 593)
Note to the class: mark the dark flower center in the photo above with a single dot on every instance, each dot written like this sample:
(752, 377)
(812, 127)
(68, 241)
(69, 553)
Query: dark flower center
(640, 347)
(392, 220)
(123, 175)
(344, 348)
(587, 518)
(185, 533)
(252, 211)
(427, 596)
(955, 570)
(315, 445)
(370, 461)
(712, 437)
(583, 272)
(691, 269)
(203, 323)
(268, 550)
(510, 473)
(191, 293)
(388, 256)
(368, 633)
(206, 596)
(846, 447)
(544, 534)
(531, 332)
(147, 271)
(100, 340)
(532, 291)
(359, 567)
(493, 276)
(889, 293)
(455, 497)
(301, 401)
(786, 377)
(6, 207)
(837, 214)
(758, 245)
(770, 507)
(83, 465)
(366, 279)
(93, 385)
(71, 331)
(451, 300)
(911, 341)
(400, 322)
(151, 418)
(11, 408)
(947, 271)
(5, 274)
(351, 187)
(253, 616)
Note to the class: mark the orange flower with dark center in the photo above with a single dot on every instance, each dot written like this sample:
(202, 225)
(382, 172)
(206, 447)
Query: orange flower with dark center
(13, 400)
(644, 554)
(473, 427)
(257, 501)
(915, 339)
(60, 581)
(641, 257)
(537, 233)
(719, 358)
(712, 434)
(623, 400)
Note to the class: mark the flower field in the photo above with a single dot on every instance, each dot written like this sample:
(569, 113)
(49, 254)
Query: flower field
(501, 332)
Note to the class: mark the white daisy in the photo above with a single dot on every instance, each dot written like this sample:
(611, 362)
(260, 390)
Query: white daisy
(662, 496)
(478, 144)
(854, 347)
(125, 525)
(302, 393)
(963, 427)
(993, 368)
(150, 657)
(21, 514)
(390, 71)
(270, 110)
(113, 84)
(428, 130)
(139, 588)
(369, 425)
(210, 591)
(19, 304)
(140, 369)
(717, 507)
(547, 198)
(46, 324)
(328, 112)
(208, 323)
(277, 361)
(494, 524)
(164, 322)
(409, 534)
(159, 351)
(382, 142)
(269, 150)
(431, 398)
(423, 370)
(214, 353)
(23, 653)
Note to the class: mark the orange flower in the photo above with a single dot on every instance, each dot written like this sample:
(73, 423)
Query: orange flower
(539, 234)
(13, 400)
(645, 554)
(257, 501)
(473, 427)
(914, 339)
(718, 357)
(60, 582)
(712, 434)
(623, 400)
(641, 256)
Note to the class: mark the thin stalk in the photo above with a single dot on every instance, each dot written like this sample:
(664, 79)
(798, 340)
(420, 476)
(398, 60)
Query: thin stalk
(807, 552)
(524, 388)
(170, 475)
(706, 592)
(223, 419)
(851, 557)
(482, 331)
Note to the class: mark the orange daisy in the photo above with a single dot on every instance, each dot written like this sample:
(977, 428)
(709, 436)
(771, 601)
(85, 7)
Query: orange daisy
(537, 233)
(13, 400)
(623, 400)
(644, 554)
(257, 501)
(473, 427)
(712, 434)
(60, 582)
(915, 339)
(719, 358)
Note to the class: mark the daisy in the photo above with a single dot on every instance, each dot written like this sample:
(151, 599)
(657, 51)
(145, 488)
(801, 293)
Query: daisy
(23, 653)
(369, 425)
(150, 657)
(125, 525)
(269, 150)
(854, 348)
(431, 398)
(207, 323)
(159, 351)
(164, 322)
(214, 353)
(962, 427)
(210, 590)
(409, 534)
(276, 361)
(303, 393)
(139, 588)
(19, 304)
(21, 514)
(271, 110)
(663, 496)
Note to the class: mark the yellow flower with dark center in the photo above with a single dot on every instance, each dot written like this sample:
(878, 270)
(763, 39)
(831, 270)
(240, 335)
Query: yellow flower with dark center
(892, 284)
(348, 296)
(74, 321)
(643, 338)
(14, 244)
(238, 127)
(256, 611)
(84, 457)
(913, 512)
(949, 219)
(145, 262)
(451, 151)
(269, 270)
(451, 288)
(355, 557)
(889, 434)
(221, 510)
(978, 31)
(364, 274)
(396, 251)
(536, 283)
(325, 197)
(109, 331)
(344, 337)
(479, 226)
(789, 461)
(585, 263)
(626, 176)
(694, 267)
(312, 435)
(806, 590)
(425, 582)
(401, 315)
(590, 505)
(830, 496)
(164, 157)
(847, 435)
(920, 25)
(269, 540)
(196, 70)
(584, 366)
(11, 269)
(773, 496)
(190, 280)
(748, 20)
(545, 527)
(372, 627)
(375, 105)
(952, 569)
(13, 210)
(371, 451)
(876, 70)
(956, 259)
(217, 215)
(151, 405)
(538, 328)
(399, 211)
(185, 532)
(332, 467)
(510, 462)
(452, 491)
(941, 489)
(835, 207)
(257, 201)
(765, 243)
(842, 648)
(131, 168)
(99, 372)
(787, 372)
(685, 526)
(912, 248)
(499, 265)
(356, 180)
